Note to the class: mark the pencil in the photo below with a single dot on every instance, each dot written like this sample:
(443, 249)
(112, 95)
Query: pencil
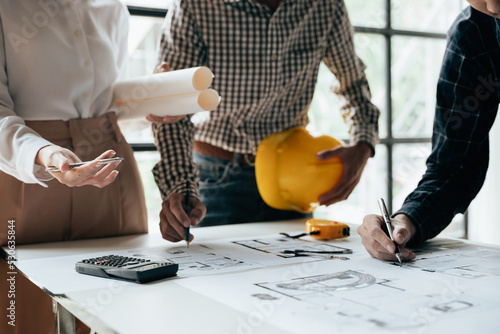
(188, 211)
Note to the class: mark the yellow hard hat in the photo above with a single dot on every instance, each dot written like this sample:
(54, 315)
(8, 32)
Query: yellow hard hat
(289, 175)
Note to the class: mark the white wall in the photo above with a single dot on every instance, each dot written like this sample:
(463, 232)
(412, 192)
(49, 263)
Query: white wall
(484, 212)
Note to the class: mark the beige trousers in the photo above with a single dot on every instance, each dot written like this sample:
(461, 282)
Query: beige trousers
(60, 213)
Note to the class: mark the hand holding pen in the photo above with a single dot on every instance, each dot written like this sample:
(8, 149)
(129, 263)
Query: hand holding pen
(377, 241)
(388, 224)
(65, 166)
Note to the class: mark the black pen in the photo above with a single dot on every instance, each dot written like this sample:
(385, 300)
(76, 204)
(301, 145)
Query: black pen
(187, 208)
(388, 224)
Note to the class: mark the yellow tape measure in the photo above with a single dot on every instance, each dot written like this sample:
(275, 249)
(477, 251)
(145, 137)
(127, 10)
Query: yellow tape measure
(328, 229)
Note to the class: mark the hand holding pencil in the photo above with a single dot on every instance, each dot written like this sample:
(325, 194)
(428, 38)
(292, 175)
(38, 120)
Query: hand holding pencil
(175, 220)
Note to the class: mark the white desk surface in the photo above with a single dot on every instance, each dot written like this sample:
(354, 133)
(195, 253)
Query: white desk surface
(177, 305)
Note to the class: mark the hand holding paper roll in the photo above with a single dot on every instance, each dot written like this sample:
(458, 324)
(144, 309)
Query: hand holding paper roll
(178, 92)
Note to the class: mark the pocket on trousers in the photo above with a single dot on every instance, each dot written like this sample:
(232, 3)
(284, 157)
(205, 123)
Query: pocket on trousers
(213, 174)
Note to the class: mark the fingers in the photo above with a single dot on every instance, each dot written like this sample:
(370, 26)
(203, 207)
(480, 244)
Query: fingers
(106, 155)
(340, 193)
(59, 157)
(61, 161)
(197, 213)
(353, 159)
(171, 219)
(164, 67)
(174, 220)
(171, 229)
(94, 173)
(164, 119)
(377, 242)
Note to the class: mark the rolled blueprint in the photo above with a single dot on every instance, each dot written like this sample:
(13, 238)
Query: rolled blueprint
(169, 93)
(180, 104)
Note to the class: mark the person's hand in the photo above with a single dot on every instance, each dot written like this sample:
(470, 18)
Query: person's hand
(354, 159)
(93, 173)
(379, 245)
(174, 220)
(164, 67)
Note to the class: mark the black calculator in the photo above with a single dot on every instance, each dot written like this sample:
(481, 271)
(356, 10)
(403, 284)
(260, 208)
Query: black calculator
(127, 268)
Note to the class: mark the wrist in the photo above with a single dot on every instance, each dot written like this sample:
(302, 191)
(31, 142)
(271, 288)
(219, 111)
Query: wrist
(41, 156)
(365, 149)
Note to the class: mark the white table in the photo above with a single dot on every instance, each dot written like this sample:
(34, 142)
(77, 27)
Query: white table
(190, 305)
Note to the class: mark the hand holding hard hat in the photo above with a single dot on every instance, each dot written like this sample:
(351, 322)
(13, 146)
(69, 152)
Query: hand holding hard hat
(289, 174)
(296, 171)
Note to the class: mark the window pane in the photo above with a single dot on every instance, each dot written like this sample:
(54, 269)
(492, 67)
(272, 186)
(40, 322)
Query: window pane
(162, 4)
(146, 162)
(416, 63)
(363, 200)
(424, 15)
(367, 13)
(408, 168)
(324, 112)
(142, 44)
(142, 47)
(371, 48)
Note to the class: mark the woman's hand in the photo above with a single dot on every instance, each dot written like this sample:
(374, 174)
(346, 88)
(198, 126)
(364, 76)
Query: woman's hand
(93, 173)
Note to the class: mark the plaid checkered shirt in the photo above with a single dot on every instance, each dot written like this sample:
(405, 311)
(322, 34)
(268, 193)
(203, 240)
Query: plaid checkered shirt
(265, 64)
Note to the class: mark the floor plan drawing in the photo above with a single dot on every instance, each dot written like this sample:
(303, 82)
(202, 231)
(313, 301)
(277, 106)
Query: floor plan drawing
(277, 246)
(198, 259)
(469, 261)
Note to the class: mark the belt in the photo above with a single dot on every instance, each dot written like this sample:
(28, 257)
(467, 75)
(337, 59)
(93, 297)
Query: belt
(217, 152)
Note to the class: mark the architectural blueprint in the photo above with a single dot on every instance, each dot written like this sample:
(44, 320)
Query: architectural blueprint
(449, 286)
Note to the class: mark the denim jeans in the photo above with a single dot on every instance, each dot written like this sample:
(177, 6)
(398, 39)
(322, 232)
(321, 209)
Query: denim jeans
(229, 191)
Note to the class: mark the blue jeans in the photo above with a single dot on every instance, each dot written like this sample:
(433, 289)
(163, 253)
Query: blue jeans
(229, 191)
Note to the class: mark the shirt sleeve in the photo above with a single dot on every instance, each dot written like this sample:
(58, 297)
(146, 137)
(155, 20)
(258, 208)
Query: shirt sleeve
(181, 46)
(20, 144)
(360, 115)
(465, 111)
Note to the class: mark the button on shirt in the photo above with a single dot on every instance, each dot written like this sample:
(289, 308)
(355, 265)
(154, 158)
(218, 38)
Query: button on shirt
(58, 61)
(266, 66)
(468, 95)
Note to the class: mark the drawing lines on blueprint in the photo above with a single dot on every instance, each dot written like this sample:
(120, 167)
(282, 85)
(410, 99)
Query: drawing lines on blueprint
(352, 296)
(277, 246)
(469, 261)
(197, 258)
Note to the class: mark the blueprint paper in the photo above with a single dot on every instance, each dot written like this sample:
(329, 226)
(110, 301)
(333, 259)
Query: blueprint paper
(457, 292)
(218, 257)
(178, 92)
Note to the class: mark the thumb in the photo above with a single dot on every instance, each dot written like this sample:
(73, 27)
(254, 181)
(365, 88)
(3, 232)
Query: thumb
(401, 235)
(330, 153)
(60, 161)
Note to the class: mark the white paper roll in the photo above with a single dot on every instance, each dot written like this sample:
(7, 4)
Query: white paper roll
(163, 84)
(168, 93)
(181, 104)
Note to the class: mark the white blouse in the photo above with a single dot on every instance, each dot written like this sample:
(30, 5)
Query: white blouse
(58, 61)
